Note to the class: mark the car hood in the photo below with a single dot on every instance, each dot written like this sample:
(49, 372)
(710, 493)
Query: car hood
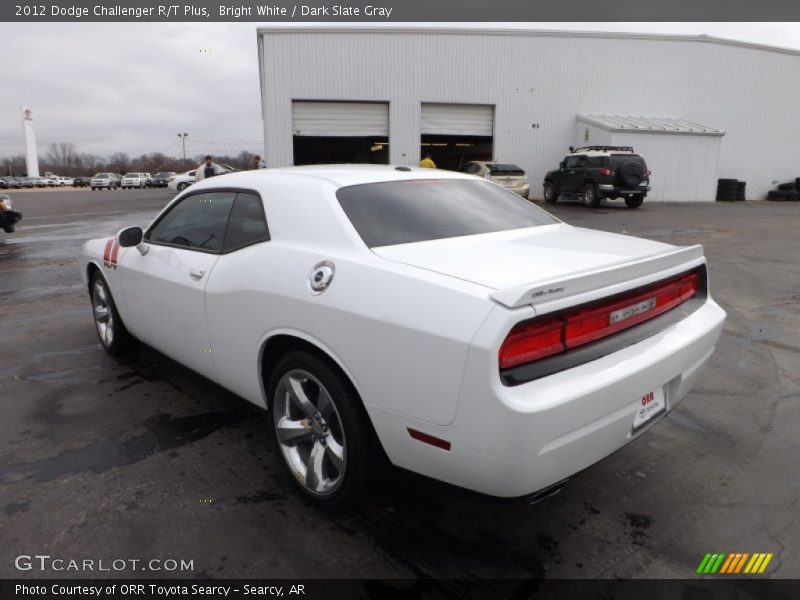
(510, 258)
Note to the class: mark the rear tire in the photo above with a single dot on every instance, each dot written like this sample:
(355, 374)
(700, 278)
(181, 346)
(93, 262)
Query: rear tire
(550, 193)
(110, 329)
(634, 202)
(323, 433)
(590, 197)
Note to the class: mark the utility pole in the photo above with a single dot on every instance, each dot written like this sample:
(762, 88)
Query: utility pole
(183, 137)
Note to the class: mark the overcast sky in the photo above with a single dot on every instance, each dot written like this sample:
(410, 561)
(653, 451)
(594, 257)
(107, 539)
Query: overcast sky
(132, 87)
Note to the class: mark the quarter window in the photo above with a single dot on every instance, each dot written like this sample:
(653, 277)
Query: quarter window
(247, 224)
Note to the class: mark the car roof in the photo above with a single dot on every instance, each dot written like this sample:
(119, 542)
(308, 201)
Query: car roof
(343, 175)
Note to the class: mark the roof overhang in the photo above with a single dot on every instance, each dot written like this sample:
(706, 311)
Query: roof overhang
(630, 124)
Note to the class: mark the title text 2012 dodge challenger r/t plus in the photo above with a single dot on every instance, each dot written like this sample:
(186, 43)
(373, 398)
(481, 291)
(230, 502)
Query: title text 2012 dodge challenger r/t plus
(468, 334)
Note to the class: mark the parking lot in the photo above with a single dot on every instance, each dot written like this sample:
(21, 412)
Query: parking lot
(144, 459)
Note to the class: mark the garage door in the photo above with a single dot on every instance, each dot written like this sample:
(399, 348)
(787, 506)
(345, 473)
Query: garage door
(457, 119)
(340, 119)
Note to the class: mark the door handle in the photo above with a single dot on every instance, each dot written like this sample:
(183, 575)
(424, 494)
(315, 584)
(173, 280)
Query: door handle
(197, 272)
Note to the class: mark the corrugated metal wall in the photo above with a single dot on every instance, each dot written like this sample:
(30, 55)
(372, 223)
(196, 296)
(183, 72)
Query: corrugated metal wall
(538, 84)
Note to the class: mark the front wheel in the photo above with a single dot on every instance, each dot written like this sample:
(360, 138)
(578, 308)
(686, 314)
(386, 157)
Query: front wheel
(634, 202)
(550, 194)
(110, 329)
(182, 186)
(323, 432)
(590, 197)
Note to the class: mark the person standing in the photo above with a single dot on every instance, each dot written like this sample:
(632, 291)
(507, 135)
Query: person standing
(427, 162)
(208, 169)
(257, 163)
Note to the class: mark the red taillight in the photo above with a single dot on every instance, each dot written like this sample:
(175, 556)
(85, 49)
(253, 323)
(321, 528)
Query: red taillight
(532, 340)
(605, 172)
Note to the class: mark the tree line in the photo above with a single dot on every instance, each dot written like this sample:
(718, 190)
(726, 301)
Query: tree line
(64, 159)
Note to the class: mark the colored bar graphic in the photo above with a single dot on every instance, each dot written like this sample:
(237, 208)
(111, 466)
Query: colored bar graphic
(703, 563)
(739, 566)
(765, 563)
(734, 563)
(718, 563)
(727, 564)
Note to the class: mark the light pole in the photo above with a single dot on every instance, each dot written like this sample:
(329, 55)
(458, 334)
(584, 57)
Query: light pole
(183, 137)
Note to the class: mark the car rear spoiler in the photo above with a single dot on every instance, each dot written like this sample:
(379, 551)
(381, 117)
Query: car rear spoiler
(561, 292)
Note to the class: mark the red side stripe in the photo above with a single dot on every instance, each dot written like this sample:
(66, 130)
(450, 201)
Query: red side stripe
(107, 252)
(114, 253)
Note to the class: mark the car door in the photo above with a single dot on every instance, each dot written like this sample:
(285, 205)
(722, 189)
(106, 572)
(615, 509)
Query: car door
(568, 175)
(164, 289)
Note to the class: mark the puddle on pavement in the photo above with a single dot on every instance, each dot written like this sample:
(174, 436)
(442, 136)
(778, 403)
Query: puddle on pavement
(163, 432)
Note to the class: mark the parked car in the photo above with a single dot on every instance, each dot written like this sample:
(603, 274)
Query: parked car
(81, 181)
(433, 316)
(134, 180)
(105, 180)
(9, 216)
(161, 179)
(510, 176)
(49, 181)
(26, 182)
(63, 181)
(4, 183)
(181, 181)
(38, 181)
(593, 173)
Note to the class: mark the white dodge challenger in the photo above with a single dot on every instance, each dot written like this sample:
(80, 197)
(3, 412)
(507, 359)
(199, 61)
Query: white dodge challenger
(430, 316)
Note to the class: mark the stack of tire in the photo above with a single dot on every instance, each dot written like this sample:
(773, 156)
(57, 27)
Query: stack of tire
(729, 190)
(786, 191)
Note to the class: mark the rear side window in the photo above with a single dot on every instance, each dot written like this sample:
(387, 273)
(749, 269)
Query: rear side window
(403, 212)
(506, 170)
(197, 222)
(247, 224)
(597, 161)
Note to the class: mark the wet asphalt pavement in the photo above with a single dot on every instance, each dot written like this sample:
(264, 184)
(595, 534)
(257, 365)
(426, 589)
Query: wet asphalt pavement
(143, 459)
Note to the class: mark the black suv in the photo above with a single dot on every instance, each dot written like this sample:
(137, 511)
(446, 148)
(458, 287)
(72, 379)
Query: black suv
(592, 173)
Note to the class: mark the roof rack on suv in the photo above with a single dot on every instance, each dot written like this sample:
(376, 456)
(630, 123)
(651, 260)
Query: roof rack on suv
(602, 148)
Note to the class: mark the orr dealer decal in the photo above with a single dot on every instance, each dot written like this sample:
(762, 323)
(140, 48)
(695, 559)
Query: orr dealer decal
(110, 254)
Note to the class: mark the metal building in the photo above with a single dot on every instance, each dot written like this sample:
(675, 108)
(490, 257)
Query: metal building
(698, 108)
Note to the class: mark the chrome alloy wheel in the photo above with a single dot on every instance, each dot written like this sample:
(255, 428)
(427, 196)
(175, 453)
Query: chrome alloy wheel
(103, 317)
(309, 431)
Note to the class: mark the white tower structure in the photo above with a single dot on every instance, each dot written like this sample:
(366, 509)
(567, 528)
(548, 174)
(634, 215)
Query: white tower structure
(31, 157)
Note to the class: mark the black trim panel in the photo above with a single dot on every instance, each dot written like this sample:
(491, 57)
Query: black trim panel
(583, 354)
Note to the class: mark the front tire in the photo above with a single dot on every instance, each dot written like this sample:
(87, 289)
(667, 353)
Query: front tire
(322, 430)
(550, 193)
(182, 186)
(590, 197)
(110, 329)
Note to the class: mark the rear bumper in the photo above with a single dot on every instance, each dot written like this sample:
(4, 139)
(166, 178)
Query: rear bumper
(611, 189)
(513, 441)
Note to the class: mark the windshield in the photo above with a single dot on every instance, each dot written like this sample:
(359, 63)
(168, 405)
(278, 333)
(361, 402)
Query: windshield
(101, 176)
(403, 212)
(132, 175)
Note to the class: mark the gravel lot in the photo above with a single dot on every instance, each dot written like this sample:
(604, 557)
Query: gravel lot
(143, 459)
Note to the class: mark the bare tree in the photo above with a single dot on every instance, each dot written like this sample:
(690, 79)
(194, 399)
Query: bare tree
(62, 156)
(119, 162)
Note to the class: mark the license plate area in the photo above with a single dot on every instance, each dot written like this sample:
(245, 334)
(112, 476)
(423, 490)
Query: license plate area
(649, 407)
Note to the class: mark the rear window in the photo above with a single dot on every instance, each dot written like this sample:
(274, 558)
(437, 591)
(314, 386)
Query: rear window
(618, 160)
(403, 212)
(507, 170)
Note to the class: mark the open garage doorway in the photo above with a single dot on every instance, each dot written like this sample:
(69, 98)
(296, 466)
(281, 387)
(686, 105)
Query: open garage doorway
(454, 151)
(454, 134)
(340, 132)
(320, 150)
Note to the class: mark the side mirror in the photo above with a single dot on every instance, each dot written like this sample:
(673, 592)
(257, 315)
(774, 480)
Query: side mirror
(133, 236)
